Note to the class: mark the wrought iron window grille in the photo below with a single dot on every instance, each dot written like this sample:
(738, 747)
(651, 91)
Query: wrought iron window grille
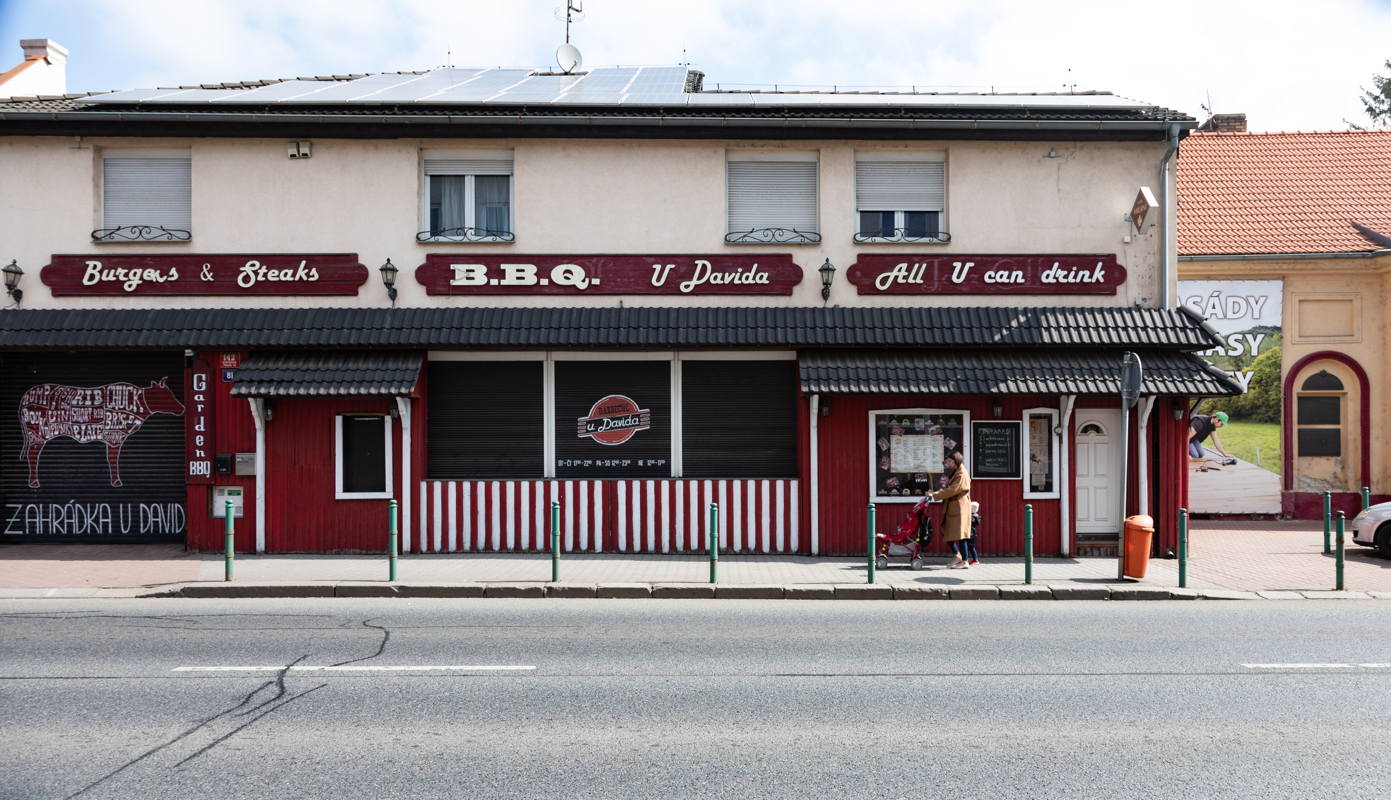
(465, 235)
(893, 235)
(141, 233)
(773, 235)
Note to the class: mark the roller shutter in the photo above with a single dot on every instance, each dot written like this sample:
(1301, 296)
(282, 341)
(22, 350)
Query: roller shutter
(739, 419)
(485, 419)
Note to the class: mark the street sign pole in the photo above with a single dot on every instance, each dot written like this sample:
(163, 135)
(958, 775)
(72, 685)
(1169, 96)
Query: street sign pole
(1131, 375)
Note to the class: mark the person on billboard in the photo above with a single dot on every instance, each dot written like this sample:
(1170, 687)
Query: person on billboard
(956, 514)
(1200, 427)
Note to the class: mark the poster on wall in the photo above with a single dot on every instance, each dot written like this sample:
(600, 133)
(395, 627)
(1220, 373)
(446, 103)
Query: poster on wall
(95, 446)
(613, 419)
(1234, 457)
(908, 448)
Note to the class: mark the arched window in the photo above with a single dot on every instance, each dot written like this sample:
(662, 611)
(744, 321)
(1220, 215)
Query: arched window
(1091, 429)
(1319, 412)
(1322, 381)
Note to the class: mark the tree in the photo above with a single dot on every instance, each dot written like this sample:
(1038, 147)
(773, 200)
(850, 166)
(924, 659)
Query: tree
(1261, 403)
(1377, 100)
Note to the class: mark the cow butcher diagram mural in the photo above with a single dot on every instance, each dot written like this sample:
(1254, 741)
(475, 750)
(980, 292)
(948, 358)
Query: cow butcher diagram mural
(108, 414)
(92, 447)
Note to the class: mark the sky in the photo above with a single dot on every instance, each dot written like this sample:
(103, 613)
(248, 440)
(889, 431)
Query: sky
(1286, 65)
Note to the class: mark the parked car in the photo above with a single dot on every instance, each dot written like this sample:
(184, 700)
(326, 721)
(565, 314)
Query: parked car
(1372, 527)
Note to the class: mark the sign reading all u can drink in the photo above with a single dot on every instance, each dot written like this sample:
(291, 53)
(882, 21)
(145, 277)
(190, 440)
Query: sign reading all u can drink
(193, 274)
(991, 274)
(468, 274)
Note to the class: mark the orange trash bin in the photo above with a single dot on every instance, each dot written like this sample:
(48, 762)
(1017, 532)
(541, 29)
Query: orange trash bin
(1139, 537)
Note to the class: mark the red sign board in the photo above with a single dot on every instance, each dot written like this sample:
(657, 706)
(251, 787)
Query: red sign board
(198, 416)
(193, 274)
(995, 274)
(467, 274)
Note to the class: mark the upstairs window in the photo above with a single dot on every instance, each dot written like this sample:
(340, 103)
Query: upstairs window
(900, 197)
(468, 197)
(772, 197)
(146, 196)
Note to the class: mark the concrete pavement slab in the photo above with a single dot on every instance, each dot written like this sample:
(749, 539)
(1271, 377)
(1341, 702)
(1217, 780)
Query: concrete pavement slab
(1025, 593)
(1280, 595)
(441, 590)
(256, 590)
(1222, 594)
(1331, 595)
(749, 592)
(1081, 592)
(366, 590)
(514, 590)
(809, 591)
(683, 591)
(572, 590)
(975, 592)
(1185, 594)
(864, 591)
(917, 591)
(1380, 595)
(624, 591)
(1139, 593)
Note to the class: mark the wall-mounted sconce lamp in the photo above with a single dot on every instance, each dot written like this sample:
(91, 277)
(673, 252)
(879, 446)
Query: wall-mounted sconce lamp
(12, 275)
(1178, 413)
(1052, 153)
(389, 271)
(826, 407)
(828, 273)
(997, 408)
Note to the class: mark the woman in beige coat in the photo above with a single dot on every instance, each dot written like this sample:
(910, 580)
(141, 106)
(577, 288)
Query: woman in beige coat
(956, 514)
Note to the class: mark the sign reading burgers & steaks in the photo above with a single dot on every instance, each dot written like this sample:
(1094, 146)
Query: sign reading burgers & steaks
(214, 274)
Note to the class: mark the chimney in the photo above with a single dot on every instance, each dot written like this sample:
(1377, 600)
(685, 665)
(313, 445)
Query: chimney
(1225, 123)
(44, 70)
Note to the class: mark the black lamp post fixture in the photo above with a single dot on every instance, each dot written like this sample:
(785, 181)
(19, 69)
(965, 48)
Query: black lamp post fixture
(828, 272)
(12, 275)
(389, 271)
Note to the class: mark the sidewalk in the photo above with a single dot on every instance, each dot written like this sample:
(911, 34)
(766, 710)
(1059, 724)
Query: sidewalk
(1230, 560)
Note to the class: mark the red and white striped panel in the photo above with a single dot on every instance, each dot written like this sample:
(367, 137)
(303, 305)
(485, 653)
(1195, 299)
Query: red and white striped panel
(507, 516)
(663, 516)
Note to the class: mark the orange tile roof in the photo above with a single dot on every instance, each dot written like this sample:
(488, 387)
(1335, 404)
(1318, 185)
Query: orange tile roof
(1283, 192)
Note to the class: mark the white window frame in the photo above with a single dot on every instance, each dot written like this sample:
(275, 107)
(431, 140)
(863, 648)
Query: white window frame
(470, 172)
(338, 493)
(964, 446)
(929, 157)
(812, 157)
(1026, 453)
(132, 154)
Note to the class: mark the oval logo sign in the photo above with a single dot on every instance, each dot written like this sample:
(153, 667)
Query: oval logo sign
(613, 420)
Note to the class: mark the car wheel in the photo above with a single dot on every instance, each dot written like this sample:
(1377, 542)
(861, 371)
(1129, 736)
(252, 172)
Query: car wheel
(1383, 539)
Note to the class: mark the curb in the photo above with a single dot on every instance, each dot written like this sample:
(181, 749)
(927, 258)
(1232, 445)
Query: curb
(686, 591)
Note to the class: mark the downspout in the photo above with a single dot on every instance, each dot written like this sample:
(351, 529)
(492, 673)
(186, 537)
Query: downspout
(1065, 479)
(1168, 241)
(258, 415)
(1142, 453)
(815, 493)
(403, 404)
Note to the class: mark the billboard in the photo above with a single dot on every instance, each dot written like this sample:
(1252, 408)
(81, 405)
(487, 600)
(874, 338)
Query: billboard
(1234, 466)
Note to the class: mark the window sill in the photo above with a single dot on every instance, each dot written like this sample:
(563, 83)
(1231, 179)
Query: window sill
(363, 495)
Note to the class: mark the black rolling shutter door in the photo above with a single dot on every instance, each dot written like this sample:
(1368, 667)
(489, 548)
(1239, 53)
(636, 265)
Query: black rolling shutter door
(739, 419)
(486, 419)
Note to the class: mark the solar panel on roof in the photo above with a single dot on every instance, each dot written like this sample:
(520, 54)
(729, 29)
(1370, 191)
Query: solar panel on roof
(350, 91)
(276, 92)
(490, 83)
(423, 86)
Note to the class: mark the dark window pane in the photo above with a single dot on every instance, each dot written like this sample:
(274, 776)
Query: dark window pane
(1320, 442)
(364, 454)
(1317, 410)
(876, 223)
(448, 201)
(490, 200)
(485, 419)
(740, 419)
(915, 223)
(1323, 380)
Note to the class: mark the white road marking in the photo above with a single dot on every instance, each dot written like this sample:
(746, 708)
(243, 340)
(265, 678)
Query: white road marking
(1317, 666)
(355, 668)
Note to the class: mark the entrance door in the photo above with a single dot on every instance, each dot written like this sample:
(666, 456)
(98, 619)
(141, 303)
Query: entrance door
(1098, 471)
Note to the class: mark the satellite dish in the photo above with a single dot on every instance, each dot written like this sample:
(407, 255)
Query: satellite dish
(568, 57)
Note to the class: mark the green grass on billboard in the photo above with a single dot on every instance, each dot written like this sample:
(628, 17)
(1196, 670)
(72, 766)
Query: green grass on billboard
(1255, 442)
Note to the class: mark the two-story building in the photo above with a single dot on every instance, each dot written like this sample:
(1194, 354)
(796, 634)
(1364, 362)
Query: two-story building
(482, 291)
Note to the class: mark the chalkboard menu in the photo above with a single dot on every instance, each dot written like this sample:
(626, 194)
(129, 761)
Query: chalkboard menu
(995, 450)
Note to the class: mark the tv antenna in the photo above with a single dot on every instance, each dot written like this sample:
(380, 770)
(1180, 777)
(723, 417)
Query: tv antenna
(567, 56)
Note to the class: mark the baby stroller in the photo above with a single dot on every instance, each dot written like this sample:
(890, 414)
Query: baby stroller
(909, 541)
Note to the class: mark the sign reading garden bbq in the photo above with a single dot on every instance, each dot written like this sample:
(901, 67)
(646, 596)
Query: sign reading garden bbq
(990, 274)
(468, 274)
(205, 274)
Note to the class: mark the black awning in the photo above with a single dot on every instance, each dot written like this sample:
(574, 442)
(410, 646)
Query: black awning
(993, 372)
(778, 327)
(353, 374)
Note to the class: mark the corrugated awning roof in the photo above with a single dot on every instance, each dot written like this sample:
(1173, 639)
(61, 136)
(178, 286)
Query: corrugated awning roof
(645, 327)
(327, 374)
(992, 372)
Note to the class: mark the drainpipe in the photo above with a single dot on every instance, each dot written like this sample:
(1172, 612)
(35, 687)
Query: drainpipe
(403, 404)
(1168, 241)
(1142, 453)
(1065, 482)
(258, 414)
(815, 487)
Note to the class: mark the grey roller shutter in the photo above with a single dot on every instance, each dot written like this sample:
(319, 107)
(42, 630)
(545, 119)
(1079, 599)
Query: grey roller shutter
(772, 194)
(472, 165)
(486, 419)
(147, 190)
(739, 419)
(900, 185)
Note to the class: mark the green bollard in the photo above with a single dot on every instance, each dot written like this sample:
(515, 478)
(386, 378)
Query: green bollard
(872, 554)
(1339, 583)
(714, 541)
(391, 541)
(1366, 497)
(1183, 548)
(1028, 543)
(1327, 523)
(555, 541)
(229, 526)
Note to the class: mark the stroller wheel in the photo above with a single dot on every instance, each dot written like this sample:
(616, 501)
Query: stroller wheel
(916, 563)
(882, 562)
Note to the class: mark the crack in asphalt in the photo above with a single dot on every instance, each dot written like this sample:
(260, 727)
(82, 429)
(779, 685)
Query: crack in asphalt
(381, 646)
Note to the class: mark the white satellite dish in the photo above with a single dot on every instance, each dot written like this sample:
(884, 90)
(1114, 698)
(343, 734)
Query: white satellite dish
(568, 57)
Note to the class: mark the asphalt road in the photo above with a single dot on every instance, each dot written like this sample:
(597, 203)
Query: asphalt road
(725, 699)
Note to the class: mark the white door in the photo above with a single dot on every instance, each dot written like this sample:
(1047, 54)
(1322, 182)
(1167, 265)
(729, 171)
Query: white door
(1098, 470)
